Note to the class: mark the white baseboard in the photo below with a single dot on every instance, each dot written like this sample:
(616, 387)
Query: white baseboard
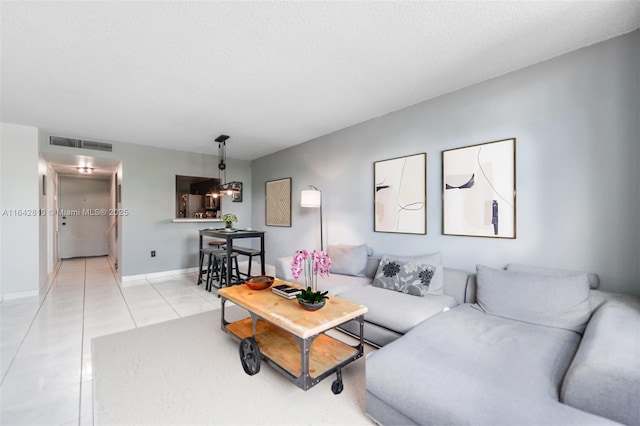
(133, 280)
(129, 279)
(52, 275)
(18, 295)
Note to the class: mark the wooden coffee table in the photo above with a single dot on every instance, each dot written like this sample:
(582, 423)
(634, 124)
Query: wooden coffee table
(291, 339)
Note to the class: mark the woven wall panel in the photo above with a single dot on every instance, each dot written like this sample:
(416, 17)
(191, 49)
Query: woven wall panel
(278, 202)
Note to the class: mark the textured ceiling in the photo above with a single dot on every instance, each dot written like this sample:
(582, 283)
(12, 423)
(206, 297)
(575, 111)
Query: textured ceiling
(270, 74)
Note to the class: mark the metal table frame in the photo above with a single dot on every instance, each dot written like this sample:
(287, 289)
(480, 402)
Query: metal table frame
(229, 237)
(305, 381)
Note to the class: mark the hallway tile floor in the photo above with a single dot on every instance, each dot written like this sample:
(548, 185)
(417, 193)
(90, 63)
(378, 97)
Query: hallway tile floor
(45, 356)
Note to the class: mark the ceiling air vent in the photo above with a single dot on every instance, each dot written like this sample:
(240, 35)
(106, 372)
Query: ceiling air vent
(71, 143)
(98, 146)
(77, 143)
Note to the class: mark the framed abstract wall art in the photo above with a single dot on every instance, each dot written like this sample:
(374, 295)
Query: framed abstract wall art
(278, 202)
(479, 190)
(400, 195)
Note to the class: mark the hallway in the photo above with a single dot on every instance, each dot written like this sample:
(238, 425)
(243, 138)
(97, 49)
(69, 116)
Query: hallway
(46, 345)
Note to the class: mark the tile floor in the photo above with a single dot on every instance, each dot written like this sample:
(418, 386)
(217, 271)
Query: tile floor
(46, 343)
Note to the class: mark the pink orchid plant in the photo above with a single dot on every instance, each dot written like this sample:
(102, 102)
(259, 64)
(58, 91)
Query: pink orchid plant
(311, 265)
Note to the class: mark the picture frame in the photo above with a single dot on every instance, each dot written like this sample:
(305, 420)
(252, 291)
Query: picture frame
(278, 202)
(237, 198)
(44, 185)
(400, 195)
(479, 190)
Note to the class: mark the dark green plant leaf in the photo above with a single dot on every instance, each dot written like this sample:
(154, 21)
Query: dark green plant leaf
(310, 296)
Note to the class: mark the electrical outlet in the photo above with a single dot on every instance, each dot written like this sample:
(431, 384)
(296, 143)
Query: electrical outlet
(153, 253)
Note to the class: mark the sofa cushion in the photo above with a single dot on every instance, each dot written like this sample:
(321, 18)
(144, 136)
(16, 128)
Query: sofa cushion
(397, 311)
(348, 259)
(372, 266)
(456, 284)
(549, 300)
(337, 283)
(466, 367)
(594, 280)
(416, 275)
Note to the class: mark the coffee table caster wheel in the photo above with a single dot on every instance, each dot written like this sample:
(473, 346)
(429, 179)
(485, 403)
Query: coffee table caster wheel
(337, 387)
(250, 356)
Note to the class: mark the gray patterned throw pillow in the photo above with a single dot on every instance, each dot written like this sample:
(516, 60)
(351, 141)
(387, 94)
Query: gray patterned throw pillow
(405, 276)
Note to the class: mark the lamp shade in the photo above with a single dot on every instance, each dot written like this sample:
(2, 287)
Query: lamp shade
(228, 189)
(310, 198)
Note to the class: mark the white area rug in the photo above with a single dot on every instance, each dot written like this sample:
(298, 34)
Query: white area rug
(188, 372)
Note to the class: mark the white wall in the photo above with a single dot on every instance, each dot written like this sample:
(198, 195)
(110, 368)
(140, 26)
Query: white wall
(575, 118)
(20, 229)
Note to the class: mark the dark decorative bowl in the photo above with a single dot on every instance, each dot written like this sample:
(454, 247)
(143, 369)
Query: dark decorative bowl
(311, 306)
(260, 282)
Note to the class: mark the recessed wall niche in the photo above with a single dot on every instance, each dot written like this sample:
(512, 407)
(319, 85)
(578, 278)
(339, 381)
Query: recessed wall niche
(194, 197)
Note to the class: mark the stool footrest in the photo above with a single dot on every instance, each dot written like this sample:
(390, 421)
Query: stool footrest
(222, 254)
(247, 251)
(212, 250)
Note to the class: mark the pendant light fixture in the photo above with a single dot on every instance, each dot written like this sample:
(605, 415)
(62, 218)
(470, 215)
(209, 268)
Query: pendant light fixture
(226, 188)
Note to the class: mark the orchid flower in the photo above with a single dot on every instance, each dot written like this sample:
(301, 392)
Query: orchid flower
(311, 265)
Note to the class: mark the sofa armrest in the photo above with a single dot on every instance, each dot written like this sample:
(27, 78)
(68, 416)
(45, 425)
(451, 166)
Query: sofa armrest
(283, 268)
(472, 289)
(604, 376)
(455, 284)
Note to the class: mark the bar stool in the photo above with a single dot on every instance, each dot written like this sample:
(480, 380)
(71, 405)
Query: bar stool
(218, 243)
(220, 268)
(213, 269)
(209, 252)
(249, 252)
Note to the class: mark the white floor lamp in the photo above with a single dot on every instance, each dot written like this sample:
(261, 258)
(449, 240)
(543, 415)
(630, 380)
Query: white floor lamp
(312, 197)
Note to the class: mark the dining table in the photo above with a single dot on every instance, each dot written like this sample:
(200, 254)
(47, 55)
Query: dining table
(230, 234)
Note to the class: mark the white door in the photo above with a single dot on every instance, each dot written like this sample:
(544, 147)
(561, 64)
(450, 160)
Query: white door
(83, 217)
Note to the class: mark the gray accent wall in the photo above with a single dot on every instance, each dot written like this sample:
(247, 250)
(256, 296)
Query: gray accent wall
(148, 194)
(575, 118)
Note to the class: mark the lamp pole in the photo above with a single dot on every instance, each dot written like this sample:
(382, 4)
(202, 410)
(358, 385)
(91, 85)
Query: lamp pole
(321, 239)
(313, 198)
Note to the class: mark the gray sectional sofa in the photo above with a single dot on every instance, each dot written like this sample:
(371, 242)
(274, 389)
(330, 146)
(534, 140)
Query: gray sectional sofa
(519, 346)
(390, 314)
